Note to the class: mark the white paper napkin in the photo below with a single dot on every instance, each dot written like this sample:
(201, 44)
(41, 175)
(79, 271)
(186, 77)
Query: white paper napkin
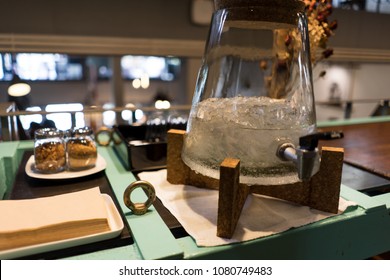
(196, 209)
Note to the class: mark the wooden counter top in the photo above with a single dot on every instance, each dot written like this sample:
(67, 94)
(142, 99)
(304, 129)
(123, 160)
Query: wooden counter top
(366, 146)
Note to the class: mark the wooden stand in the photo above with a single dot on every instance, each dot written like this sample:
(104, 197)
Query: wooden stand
(321, 192)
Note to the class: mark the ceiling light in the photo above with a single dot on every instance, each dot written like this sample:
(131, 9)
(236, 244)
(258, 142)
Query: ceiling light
(18, 87)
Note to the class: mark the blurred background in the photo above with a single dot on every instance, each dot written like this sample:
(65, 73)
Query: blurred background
(125, 59)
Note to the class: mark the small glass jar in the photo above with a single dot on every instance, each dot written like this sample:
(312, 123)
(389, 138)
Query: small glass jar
(81, 149)
(49, 150)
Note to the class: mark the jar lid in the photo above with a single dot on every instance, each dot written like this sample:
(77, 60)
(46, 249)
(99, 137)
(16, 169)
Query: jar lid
(44, 133)
(295, 5)
(82, 131)
(276, 13)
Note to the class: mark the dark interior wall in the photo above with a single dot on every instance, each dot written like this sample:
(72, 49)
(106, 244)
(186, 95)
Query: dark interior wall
(168, 19)
(361, 30)
(161, 19)
(165, 19)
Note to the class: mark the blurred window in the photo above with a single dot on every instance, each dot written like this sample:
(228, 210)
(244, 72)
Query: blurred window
(41, 67)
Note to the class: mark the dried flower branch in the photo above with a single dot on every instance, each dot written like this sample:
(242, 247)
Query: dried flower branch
(317, 12)
(285, 46)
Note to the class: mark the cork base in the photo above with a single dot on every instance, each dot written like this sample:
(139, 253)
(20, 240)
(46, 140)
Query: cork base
(321, 192)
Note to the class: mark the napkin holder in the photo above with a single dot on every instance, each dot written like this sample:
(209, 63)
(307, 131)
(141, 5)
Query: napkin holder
(321, 192)
(136, 152)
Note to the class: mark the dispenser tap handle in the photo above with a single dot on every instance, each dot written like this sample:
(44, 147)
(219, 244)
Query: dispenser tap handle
(310, 142)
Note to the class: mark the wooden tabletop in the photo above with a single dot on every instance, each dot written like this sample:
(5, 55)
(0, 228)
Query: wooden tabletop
(366, 146)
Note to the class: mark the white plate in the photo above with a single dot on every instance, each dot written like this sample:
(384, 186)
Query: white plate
(66, 174)
(114, 220)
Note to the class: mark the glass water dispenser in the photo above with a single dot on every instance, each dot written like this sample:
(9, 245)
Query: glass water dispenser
(254, 91)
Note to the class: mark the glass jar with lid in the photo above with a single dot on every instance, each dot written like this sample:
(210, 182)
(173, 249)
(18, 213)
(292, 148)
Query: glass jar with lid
(81, 149)
(49, 150)
(254, 91)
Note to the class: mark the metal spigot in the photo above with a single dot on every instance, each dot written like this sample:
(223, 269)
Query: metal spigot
(306, 157)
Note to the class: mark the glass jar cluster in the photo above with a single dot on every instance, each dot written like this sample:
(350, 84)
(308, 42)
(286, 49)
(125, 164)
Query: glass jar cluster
(56, 151)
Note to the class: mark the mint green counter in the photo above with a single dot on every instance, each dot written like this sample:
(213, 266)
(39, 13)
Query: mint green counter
(359, 233)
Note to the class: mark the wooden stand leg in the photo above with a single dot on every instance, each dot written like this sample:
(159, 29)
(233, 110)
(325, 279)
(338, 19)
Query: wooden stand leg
(177, 170)
(321, 192)
(325, 185)
(231, 199)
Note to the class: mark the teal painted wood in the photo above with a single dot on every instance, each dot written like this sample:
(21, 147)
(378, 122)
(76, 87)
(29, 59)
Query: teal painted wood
(384, 198)
(358, 233)
(355, 235)
(3, 185)
(130, 252)
(354, 121)
(148, 230)
(153, 238)
(8, 166)
(365, 201)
